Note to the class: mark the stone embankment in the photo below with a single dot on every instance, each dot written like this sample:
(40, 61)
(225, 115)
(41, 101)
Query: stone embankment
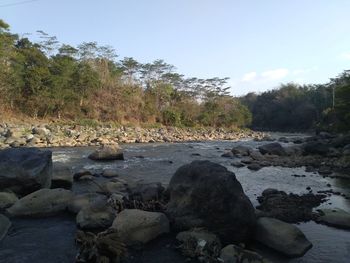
(64, 135)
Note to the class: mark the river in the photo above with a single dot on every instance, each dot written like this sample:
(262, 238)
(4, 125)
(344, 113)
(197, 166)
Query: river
(157, 163)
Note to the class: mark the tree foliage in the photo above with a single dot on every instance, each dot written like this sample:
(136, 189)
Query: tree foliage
(49, 79)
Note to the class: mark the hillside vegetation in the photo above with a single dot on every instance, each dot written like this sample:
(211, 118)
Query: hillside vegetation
(88, 83)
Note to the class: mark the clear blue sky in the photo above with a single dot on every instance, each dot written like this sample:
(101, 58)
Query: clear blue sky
(257, 43)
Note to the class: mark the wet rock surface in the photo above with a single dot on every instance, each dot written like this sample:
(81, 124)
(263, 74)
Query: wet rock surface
(291, 208)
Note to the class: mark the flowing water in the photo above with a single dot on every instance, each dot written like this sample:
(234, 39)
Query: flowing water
(157, 163)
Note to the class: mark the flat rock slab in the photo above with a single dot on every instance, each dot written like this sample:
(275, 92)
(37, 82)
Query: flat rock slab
(282, 237)
(335, 217)
(25, 170)
(44, 202)
(5, 224)
(40, 241)
(137, 226)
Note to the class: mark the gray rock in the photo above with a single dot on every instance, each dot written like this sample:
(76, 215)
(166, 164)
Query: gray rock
(114, 187)
(235, 254)
(273, 149)
(237, 164)
(205, 194)
(227, 155)
(5, 225)
(316, 147)
(136, 226)
(146, 192)
(335, 217)
(254, 167)
(107, 153)
(110, 173)
(25, 170)
(41, 131)
(241, 150)
(282, 237)
(7, 200)
(96, 216)
(62, 178)
(44, 202)
(346, 149)
(80, 173)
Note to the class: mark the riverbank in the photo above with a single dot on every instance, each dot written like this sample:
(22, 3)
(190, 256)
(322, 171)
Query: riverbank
(57, 135)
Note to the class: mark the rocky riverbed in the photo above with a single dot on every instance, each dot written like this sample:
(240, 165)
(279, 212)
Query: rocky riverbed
(54, 135)
(146, 177)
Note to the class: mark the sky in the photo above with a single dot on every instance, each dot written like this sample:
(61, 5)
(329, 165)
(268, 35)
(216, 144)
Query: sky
(258, 44)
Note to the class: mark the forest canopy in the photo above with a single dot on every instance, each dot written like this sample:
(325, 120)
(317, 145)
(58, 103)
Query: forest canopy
(48, 79)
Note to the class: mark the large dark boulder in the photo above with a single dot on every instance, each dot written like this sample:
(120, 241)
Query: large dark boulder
(205, 194)
(316, 147)
(272, 148)
(25, 170)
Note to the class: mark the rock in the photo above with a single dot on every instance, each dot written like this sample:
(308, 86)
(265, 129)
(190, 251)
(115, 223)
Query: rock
(5, 225)
(335, 217)
(273, 149)
(96, 216)
(199, 243)
(237, 164)
(341, 141)
(83, 200)
(346, 149)
(136, 226)
(82, 172)
(62, 178)
(291, 208)
(205, 194)
(227, 155)
(297, 140)
(282, 237)
(114, 187)
(316, 147)
(235, 254)
(41, 131)
(254, 166)
(146, 192)
(246, 160)
(107, 153)
(110, 173)
(256, 155)
(44, 202)
(25, 170)
(7, 200)
(241, 150)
